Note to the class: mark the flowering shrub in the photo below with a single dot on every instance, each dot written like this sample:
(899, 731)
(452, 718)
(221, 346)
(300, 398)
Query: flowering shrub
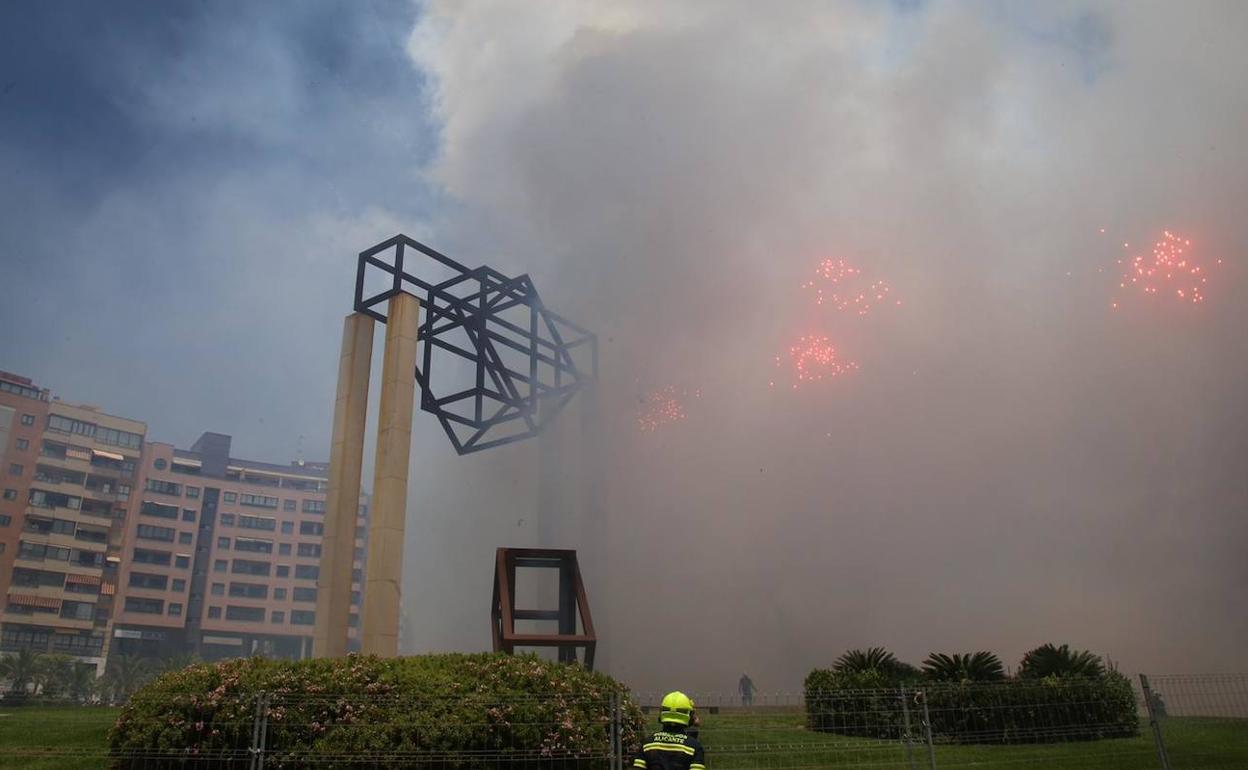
(452, 710)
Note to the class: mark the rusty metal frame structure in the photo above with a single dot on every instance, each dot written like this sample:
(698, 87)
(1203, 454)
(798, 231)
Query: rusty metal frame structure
(572, 601)
(523, 359)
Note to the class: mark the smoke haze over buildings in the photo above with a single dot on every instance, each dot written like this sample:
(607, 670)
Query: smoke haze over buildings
(1014, 461)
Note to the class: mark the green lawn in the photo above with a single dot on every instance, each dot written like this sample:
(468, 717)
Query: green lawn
(73, 738)
(778, 740)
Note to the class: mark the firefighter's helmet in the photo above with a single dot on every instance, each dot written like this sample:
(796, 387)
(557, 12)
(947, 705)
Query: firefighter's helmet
(677, 708)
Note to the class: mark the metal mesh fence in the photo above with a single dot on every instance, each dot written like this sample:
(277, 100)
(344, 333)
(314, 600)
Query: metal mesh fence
(1184, 723)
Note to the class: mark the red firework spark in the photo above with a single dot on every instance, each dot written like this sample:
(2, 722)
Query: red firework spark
(836, 284)
(663, 406)
(813, 358)
(1170, 270)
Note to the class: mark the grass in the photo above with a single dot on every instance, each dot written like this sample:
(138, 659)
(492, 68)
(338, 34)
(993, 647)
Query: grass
(73, 738)
(777, 740)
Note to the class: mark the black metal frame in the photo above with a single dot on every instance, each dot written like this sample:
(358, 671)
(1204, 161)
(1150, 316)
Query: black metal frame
(473, 300)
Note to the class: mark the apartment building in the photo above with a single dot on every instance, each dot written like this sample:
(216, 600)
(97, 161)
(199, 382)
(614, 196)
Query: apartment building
(222, 555)
(23, 413)
(110, 542)
(73, 480)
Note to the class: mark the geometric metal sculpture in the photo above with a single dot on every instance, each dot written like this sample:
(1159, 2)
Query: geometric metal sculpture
(525, 361)
(572, 598)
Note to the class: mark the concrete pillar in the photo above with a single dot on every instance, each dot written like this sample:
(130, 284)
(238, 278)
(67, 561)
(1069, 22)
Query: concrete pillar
(389, 513)
(346, 457)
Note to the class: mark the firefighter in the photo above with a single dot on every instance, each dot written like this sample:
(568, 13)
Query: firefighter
(673, 747)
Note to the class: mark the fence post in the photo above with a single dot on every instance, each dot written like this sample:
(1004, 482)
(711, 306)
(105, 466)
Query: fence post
(927, 731)
(253, 747)
(1154, 724)
(905, 716)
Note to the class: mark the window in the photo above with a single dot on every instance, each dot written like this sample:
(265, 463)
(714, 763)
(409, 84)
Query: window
(66, 425)
(119, 438)
(39, 552)
(160, 463)
(15, 469)
(258, 501)
(287, 505)
(145, 556)
(283, 570)
(310, 550)
(313, 506)
(77, 610)
(149, 606)
(353, 620)
(246, 614)
(249, 590)
(163, 487)
(192, 493)
(218, 589)
(248, 567)
(231, 497)
(307, 571)
(32, 578)
(278, 616)
(150, 532)
(185, 538)
(223, 543)
(179, 585)
(183, 561)
(78, 644)
(214, 612)
(28, 419)
(150, 508)
(283, 549)
(220, 565)
(257, 522)
(22, 444)
(279, 594)
(311, 528)
(358, 554)
(10, 494)
(357, 576)
(81, 588)
(302, 617)
(355, 597)
(359, 533)
(5, 519)
(175, 608)
(188, 514)
(253, 545)
(227, 519)
(148, 580)
(288, 528)
(304, 594)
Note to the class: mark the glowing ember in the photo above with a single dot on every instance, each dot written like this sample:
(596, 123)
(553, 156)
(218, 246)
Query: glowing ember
(837, 285)
(1170, 270)
(814, 358)
(663, 406)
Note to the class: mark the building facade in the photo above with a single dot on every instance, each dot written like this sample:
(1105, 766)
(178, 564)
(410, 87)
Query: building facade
(110, 542)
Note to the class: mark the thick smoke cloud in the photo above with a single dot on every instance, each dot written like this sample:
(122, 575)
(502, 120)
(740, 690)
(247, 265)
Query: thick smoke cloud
(1014, 462)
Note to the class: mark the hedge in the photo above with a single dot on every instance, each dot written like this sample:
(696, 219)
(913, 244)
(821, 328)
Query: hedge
(452, 710)
(1012, 711)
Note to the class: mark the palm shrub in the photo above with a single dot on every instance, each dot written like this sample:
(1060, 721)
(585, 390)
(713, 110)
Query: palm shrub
(485, 710)
(20, 669)
(125, 674)
(53, 674)
(971, 667)
(1050, 660)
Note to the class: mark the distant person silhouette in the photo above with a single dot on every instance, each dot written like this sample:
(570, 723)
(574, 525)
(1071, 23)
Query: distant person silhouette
(745, 686)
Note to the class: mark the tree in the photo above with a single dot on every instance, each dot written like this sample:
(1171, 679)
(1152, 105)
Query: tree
(1050, 660)
(83, 682)
(176, 663)
(857, 661)
(20, 669)
(125, 674)
(53, 674)
(971, 667)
